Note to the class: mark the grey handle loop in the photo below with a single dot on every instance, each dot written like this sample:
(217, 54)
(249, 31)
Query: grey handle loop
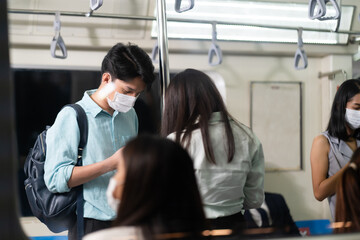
(185, 8)
(321, 11)
(155, 52)
(57, 40)
(337, 11)
(214, 49)
(94, 5)
(300, 53)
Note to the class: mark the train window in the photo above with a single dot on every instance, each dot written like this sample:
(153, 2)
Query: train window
(255, 21)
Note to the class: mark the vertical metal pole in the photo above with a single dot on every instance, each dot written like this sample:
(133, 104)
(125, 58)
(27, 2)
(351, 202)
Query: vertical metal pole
(163, 47)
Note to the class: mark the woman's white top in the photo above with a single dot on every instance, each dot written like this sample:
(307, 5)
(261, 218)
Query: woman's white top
(116, 233)
(228, 188)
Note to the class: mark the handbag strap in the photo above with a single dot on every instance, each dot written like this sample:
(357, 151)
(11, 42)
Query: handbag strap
(83, 127)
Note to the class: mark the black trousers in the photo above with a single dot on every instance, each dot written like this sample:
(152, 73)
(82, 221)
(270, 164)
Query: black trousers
(235, 222)
(90, 225)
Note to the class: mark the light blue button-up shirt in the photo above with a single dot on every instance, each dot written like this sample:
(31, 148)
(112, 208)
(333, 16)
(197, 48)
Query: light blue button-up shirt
(107, 133)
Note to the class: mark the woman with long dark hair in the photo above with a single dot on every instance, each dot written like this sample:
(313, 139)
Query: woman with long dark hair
(347, 214)
(155, 193)
(228, 157)
(332, 150)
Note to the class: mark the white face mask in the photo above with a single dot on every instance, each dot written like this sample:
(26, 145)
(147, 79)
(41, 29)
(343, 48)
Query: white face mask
(352, 117)
(112, 201)
(122, 102)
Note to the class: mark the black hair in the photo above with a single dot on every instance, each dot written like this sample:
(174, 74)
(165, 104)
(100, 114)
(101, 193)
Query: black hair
(348, 196)
(160, 193)
(190, 100)
(125, 62)
(337, 122)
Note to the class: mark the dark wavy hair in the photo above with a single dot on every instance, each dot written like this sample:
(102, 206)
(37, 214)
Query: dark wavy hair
(125, 62)
(348, 197)
(160, 193)
(337, 122)
(190, 100)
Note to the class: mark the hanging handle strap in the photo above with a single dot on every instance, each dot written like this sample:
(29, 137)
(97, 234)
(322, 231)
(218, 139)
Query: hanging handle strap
(337, 11)
(321, 11)
(57, 40)
(94, 5)
(180, 9)
(155, 52)
(214, 48)
(300, 53)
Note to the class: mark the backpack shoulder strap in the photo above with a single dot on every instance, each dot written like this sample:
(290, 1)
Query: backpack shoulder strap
(83, 126)
(82, 122)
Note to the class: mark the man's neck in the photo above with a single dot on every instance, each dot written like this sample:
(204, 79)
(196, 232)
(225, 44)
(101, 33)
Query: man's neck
(101, 102)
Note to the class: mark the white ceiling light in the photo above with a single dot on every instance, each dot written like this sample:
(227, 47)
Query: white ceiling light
(249, 16)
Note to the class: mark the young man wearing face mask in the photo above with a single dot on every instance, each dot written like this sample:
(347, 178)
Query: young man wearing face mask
(126, 72)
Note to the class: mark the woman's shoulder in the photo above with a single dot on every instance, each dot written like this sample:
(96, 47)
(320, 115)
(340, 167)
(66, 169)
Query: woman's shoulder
(321, 138)
(121, 233)
(242, 130)
(321, 141)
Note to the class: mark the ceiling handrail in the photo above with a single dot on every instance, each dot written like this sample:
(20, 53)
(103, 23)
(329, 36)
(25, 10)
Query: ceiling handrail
(185, 8)
(300, 53)
(57, 40)
(151, 18)
(214, 48)
(321, 11)
(94, 5)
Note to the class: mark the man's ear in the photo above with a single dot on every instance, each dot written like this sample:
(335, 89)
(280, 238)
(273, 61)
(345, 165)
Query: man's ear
(106, 78)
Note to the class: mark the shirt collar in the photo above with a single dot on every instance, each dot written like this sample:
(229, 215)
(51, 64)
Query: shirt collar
(91, 106)
(215, 117)
(343, 147)
(333, 139)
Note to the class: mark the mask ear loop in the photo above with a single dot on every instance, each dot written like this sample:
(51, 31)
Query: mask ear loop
(94, 5)
(155, 52)
(185, 8)
(300, 53)
(57, 39)
(214, 48)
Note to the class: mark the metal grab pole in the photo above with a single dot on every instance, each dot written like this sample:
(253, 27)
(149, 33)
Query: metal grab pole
(163, 48)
